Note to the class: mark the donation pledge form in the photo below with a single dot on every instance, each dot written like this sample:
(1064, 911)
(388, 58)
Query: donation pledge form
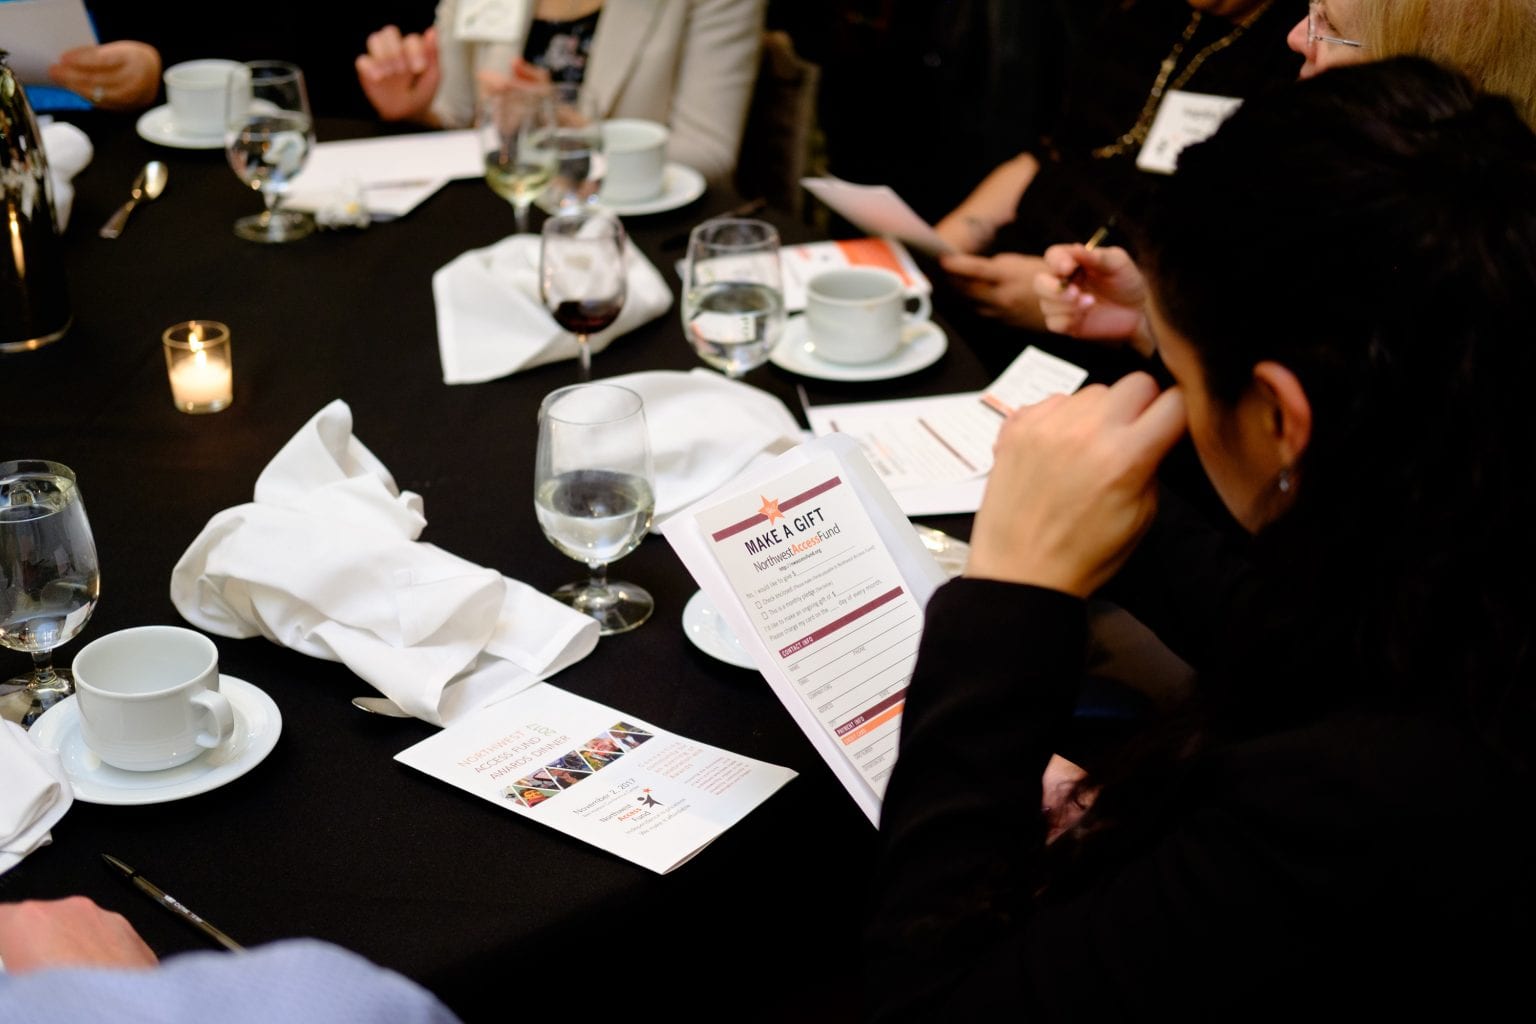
(834, 617)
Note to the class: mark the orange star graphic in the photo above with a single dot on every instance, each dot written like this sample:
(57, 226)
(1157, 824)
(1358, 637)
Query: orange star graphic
(771, 510)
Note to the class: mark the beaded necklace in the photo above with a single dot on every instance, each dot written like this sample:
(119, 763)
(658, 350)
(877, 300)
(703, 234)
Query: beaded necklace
(1160, 85)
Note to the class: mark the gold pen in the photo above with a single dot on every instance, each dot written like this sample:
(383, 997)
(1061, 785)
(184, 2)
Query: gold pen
(172, 904)
(1092, 243)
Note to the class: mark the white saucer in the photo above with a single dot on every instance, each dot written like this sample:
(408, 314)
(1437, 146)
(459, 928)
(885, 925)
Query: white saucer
(680, 185)
(707, 628)
(950, 552)
(257, 725)
(796, 353)
(157, 125)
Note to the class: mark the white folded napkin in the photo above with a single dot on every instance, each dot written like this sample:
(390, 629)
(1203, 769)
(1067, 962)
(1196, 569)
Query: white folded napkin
(490, 321)
(357, 180)
(326, 561)
(705, 429)
(35, 794)
(69, 150)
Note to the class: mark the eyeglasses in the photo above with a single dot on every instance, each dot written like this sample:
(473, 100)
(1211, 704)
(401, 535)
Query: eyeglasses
(1318, 28)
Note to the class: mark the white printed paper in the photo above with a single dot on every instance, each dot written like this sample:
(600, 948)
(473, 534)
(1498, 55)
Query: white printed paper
(878, 210)
(934, 453)
(827, 600)
(903, 440)
(1034, 375)
(491, 21)
(823, 581)
(607, 778)
(35, 32)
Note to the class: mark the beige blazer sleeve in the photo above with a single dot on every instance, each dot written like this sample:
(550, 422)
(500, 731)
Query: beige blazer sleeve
(459, 58)
(690, 64)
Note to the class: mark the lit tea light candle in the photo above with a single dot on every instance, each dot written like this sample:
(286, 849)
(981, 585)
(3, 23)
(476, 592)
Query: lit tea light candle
(199, 362)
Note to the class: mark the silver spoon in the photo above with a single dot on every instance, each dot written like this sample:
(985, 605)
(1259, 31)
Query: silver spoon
(380, 706)
(148, 185)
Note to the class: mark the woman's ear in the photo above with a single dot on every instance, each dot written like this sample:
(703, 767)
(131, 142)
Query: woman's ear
(1287, 411)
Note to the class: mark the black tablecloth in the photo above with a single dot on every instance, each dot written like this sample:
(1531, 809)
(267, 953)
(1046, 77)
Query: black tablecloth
(329, 836)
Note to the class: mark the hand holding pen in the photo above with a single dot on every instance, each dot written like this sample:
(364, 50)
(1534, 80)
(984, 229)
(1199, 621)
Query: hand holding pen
(1096, 293)
(1078, 272)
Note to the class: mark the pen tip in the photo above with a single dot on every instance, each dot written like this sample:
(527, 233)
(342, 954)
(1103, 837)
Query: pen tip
(119, 865)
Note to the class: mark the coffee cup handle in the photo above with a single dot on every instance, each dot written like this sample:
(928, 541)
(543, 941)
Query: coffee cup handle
(221, 717)
(915, 319)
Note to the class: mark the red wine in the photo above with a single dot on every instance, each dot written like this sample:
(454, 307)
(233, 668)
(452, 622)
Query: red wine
(587, 316)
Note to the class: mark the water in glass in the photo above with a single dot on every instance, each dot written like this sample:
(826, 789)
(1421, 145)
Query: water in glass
(593, 494)
(733, 295)
(49, 578)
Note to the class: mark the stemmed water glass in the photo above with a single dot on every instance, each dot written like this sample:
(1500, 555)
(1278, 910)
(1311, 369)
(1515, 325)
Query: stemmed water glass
(517, 138)
(594, 494)
(49, 579)
(582, 162)
(581, 274)
(733, 293)
(268, 133)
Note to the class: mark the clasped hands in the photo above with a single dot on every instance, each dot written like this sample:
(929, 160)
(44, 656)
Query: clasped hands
(1073, 486)
(400, 74)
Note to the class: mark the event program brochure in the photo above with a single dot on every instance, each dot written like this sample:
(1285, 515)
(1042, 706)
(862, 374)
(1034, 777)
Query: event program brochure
(802, 262)
(605, 777)
(799, 263)
(824, 581)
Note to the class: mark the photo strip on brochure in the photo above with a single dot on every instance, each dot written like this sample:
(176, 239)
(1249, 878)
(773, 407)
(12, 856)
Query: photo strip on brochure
(824, 582)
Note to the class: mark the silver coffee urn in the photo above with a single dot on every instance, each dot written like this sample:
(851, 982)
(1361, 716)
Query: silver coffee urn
(34, 296)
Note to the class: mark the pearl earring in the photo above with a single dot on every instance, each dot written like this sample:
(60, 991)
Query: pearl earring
(1284, 482)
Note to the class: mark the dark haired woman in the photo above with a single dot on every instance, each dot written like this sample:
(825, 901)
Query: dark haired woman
(1339, 822)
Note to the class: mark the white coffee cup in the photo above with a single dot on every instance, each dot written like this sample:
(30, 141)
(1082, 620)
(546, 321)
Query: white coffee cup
(149, 697)
(858, 314)
(636, 151)
(198, 94)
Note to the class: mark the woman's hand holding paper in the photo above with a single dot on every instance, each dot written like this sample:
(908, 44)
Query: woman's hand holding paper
(1073, 487)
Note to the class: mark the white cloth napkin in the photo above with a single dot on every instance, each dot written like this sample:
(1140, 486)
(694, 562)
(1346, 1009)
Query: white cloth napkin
(326, 561)
(705, 429)
(491, 322)
(69, 150)
(33, 797)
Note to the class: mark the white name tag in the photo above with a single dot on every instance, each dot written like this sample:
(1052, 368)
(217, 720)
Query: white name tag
(491, 21)
(1183, 119)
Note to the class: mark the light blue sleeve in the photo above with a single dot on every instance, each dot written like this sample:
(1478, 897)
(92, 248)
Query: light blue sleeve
(294, 981)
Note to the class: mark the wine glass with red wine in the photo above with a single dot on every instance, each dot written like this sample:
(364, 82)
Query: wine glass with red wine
(581, 274)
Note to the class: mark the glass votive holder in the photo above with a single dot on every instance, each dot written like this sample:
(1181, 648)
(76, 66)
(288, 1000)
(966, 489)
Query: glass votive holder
(200, 365)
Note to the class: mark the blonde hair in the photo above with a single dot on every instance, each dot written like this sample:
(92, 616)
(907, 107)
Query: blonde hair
(1492, 42)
